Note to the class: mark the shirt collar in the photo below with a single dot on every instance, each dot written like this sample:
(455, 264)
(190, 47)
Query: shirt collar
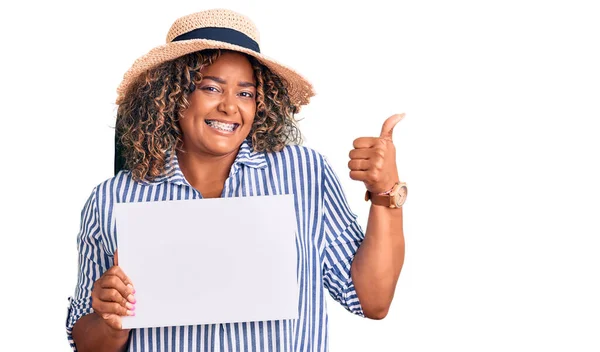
(246, 156)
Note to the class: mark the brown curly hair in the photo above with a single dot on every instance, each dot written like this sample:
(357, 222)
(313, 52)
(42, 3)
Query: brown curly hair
(147, 125)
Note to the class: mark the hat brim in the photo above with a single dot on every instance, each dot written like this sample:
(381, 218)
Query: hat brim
(299, 89)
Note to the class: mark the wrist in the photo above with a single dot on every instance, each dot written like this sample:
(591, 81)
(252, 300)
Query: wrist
(110, 332)
(393, 198)
(389, 190)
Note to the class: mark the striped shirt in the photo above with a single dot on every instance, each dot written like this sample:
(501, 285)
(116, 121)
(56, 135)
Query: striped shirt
(327, 237)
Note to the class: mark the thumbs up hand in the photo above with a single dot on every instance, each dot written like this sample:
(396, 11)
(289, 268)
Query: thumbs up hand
(373, 159)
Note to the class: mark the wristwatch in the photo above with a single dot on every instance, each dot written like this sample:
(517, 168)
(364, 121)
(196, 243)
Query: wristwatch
(394, 198)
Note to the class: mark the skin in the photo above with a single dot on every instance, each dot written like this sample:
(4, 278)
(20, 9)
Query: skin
(112, 297)
(227, 93)
(379, 259)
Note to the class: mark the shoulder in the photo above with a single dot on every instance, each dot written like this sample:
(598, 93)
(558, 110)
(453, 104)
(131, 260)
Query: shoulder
(116, 190)
(114, 184)
(298, 156)
(96, 224)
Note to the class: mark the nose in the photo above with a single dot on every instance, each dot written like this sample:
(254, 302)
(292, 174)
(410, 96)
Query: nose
(228, 104)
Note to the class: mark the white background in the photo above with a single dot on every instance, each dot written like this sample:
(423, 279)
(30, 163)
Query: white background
(499, 147)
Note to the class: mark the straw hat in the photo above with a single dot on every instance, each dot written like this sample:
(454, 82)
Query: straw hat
(215, 29)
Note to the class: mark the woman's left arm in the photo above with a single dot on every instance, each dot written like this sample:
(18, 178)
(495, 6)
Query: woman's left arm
(378, 262)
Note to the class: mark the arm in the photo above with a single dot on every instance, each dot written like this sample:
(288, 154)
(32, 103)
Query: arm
(86, 330)
(91, 333)
(342, 235)
(378, 261)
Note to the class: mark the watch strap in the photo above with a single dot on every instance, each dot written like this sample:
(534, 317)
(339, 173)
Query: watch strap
(382, 198)
(379, 199)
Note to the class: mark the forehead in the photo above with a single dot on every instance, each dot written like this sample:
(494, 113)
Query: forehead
(230, 64)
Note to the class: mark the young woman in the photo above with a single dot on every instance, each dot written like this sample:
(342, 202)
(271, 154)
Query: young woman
(207, 115)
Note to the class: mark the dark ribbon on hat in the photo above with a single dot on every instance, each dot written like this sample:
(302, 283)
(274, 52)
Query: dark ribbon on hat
(226, 35)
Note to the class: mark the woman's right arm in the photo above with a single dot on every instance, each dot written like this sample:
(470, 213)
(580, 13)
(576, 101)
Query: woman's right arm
(91, 333)
(101, 296)
(112, 297)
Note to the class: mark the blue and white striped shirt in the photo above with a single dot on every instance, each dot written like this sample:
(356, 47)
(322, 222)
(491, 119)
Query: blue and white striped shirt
(327, 239)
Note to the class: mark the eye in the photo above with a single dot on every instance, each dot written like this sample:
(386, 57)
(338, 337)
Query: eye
(210, 89)
(247, 94)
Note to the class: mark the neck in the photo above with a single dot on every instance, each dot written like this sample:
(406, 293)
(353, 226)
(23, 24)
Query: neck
(206, 173)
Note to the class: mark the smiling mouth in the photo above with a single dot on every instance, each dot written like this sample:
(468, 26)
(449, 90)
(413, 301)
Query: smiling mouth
(222, 126)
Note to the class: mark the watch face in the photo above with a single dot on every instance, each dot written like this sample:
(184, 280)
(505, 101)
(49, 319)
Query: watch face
(401, 197)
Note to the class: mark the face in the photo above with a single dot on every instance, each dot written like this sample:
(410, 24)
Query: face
(222, 107)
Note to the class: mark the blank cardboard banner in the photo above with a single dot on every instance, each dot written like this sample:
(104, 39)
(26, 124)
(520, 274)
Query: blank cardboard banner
(208, 261)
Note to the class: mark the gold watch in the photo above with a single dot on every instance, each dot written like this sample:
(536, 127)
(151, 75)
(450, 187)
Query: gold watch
(394, 198)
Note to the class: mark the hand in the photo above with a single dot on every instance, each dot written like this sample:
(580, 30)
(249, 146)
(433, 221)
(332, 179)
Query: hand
(112, 296)
(373, 160)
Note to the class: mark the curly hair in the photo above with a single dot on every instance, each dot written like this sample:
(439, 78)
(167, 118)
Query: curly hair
(147, 127)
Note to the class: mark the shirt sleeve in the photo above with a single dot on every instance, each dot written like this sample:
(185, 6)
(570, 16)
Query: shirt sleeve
(343, 236)
(91, 265)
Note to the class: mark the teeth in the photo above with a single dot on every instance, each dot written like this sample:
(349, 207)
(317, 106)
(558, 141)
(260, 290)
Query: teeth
(229, 127)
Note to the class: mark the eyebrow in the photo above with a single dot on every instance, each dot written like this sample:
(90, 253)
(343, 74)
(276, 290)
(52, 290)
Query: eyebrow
(222, 81)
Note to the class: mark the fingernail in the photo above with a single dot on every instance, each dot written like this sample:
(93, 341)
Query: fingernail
(131, 299)
(131, 288)
(130, 313)
(129, 306)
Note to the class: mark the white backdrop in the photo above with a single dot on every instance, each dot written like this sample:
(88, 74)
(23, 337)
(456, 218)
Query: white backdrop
(499, 148)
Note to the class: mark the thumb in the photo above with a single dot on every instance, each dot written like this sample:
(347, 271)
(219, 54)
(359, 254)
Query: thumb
(389, 124)
(117, 257)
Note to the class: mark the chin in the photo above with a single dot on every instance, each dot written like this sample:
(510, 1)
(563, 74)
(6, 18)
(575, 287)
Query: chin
(223, 147)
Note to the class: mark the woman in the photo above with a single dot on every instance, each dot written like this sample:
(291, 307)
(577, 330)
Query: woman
(205, 116)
